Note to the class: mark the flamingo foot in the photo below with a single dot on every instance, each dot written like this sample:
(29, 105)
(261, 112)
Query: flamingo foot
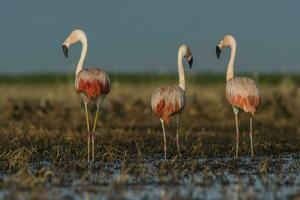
(251, 133)
(251, 143)
(237, 138)
(91, 135)
(165, 151)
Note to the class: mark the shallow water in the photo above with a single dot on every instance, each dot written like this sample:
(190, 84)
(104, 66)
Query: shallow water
(265, 177)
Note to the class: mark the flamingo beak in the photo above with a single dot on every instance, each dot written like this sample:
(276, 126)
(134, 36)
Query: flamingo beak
(190, 61)
(65, 50)
(218, 51)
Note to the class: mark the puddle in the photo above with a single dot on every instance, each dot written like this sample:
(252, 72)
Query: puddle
(214, 178)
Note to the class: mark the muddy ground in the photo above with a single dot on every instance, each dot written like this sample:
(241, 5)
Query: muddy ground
(43, 149)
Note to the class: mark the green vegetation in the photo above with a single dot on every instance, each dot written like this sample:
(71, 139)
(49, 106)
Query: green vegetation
(147, 78)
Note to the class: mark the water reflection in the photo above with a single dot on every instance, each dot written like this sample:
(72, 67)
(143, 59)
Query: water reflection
(164, 194)
(216, 178)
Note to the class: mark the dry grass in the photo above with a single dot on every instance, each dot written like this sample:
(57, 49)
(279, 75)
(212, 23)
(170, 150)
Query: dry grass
(47, 122)
(43, 133)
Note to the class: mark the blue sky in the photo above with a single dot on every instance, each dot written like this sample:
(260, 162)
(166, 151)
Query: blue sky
(143, 36)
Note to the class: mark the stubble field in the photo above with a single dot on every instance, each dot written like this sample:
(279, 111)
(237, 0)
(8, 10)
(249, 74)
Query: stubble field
(43, 146)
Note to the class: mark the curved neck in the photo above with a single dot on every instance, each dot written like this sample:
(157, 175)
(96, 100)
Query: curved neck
(230, 66)
(181, 71)
(83, 41)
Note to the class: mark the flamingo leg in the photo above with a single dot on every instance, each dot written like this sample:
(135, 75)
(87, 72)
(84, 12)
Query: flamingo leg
(88, 129)
(93, 137)
(177, 135)
(250, 134)
(164, 134)
(237, 136)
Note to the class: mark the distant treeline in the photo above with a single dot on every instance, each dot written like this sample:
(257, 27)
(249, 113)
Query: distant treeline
(148, 78)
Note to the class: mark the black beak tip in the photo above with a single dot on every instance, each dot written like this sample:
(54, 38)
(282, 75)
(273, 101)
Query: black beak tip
(191, 62)
(218, 51)
(65, 50)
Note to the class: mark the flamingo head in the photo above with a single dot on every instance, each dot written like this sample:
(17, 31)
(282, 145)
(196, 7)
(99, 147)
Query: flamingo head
(227, 41)
(185, 52)
(74, 37)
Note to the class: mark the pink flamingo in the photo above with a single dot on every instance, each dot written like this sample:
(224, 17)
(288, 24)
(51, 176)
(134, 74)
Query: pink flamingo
(92, 84)
(241, 92)
(170, 100)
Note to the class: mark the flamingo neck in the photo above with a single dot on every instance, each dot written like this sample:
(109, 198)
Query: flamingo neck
(230, 66)
(83, 40)
(181, 71)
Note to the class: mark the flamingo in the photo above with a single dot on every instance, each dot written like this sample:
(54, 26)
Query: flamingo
(91, 84)
(241, 92)
(167, 101)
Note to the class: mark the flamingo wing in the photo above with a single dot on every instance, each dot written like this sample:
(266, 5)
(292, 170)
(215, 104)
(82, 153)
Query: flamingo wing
(243, 93)
(167, 101)
(92, 83)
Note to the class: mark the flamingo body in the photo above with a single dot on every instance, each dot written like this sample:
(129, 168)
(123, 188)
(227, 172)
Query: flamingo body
(92, 83)
(242, 92)
(167, 101)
